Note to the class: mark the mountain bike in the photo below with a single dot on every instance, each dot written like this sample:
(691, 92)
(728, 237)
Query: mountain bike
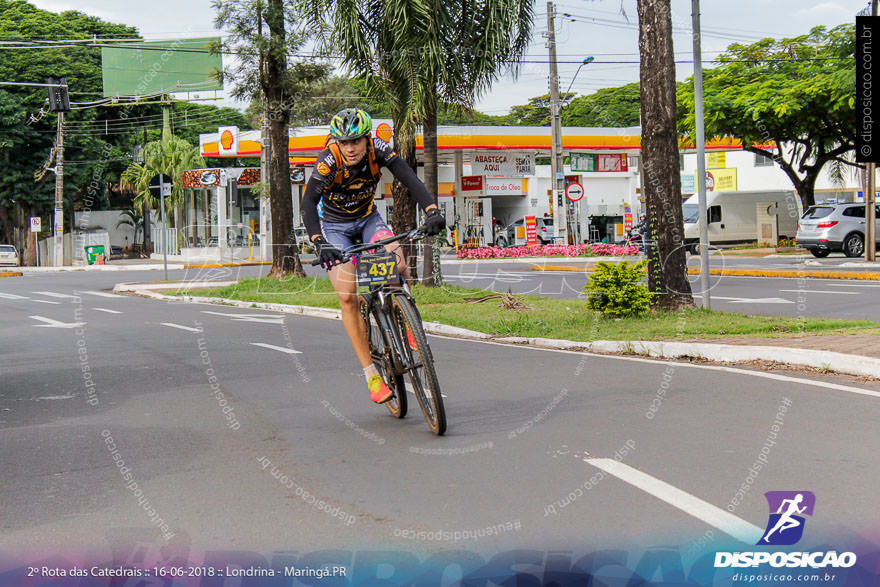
(397, 341)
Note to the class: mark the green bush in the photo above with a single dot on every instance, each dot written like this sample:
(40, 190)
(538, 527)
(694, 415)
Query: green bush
(616, 289)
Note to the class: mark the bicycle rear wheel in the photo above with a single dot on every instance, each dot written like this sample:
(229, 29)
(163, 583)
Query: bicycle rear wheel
(421, 375)
(381, 355)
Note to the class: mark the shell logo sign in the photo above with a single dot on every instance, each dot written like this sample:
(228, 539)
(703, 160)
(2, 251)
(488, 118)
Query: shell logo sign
(383, 131)
(228, 140)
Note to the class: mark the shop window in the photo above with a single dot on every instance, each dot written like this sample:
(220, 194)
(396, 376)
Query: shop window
(762, 161)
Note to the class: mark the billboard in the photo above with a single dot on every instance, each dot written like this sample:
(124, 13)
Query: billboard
(151, 67)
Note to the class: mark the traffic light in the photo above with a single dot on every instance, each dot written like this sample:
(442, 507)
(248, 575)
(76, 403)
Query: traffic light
(59, 100)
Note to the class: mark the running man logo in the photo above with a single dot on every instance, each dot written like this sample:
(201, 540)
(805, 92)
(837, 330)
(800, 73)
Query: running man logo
(786, 524)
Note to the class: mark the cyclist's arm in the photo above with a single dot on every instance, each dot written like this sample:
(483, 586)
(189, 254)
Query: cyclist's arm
(405, 174)
(322, 176)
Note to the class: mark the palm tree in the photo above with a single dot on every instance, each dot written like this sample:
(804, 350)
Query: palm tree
(172, 156)
(415, 53)
(132, 217)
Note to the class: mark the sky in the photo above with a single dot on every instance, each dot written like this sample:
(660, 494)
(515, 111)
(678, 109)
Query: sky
(604, 29)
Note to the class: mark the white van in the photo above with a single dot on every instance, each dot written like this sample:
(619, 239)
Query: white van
(743, 217)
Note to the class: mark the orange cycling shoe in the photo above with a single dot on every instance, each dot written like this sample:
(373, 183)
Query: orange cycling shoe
(379, 392)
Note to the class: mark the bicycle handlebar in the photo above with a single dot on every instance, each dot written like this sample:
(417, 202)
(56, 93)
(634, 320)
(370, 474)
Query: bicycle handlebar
(414, 235)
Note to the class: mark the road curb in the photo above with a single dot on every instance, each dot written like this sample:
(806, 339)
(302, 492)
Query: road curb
(826, 360)
(808, 273)
(216, 265)
(10, 273)
(143, 267)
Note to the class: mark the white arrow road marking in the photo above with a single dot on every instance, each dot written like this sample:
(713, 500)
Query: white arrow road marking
(49, 323)
(819, 291)
(52, 294)
(103, 294)
(262, 318)
(188, 328)
(108, 311)
(280, 349)
(7, 296)
(689, 504)
(753, 301)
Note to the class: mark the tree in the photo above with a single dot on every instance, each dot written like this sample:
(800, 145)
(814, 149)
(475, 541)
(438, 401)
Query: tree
(25, 146)
(793, 94)
(472, 45)
(608, 107)
(667, 269)
(171, 156)
(536, 112)
(417, 54)
(262, 34)
(133, 218)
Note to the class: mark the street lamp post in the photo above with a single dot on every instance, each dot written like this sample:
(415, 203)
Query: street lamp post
(575, 222)
(585, 62)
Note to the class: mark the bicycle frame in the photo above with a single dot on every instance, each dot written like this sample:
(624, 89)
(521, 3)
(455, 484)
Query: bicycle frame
(378, 296)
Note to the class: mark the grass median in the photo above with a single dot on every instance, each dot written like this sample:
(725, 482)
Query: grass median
(545, 317)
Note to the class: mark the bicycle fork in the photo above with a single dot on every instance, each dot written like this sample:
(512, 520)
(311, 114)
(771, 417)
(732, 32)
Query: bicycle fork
(399, 358)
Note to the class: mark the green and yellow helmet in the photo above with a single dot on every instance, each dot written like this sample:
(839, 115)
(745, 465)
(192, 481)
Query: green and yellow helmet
(351, 123)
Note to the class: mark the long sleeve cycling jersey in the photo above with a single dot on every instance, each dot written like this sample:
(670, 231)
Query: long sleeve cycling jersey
(337, 192)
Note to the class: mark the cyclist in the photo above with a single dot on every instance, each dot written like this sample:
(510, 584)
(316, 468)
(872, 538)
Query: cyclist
(338, 209)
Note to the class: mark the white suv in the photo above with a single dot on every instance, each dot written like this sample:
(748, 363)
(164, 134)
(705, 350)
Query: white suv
(9, 256)
(827, 228)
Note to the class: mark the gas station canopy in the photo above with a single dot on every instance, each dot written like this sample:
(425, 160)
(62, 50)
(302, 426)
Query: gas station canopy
(306, 142)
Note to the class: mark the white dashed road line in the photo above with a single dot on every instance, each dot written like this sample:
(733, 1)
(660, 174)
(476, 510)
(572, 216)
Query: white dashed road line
(102, 294)
(50, 323)
(187, 328)
(260, 318)
(280, 349)
(819, 291)
(7, 296)
(53, 294)
(689, 504)
(108, 311)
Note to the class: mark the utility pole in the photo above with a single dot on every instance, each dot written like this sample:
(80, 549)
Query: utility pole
(701, 155)
(58, 259)
(59, 102)
(264, 179)
(557, 168)
(870, 216)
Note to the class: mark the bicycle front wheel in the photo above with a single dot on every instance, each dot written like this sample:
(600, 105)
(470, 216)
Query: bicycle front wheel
(421, 376)
(380, 352)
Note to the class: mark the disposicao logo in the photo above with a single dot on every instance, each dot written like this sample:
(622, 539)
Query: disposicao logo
(787, 511)
(785, 527)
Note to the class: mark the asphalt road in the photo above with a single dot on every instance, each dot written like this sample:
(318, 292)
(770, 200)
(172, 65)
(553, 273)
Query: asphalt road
(547, 450)
(768, 296)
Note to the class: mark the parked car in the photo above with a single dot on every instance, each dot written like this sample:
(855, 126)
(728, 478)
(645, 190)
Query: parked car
(827, 228)
(507, 236)
(9, 256)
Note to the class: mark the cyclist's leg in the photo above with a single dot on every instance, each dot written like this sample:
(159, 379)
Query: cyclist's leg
(344, 281)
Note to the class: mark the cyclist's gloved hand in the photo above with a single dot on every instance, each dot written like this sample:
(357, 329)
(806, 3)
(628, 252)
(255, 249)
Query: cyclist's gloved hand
(434, 222)
(327, 253)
